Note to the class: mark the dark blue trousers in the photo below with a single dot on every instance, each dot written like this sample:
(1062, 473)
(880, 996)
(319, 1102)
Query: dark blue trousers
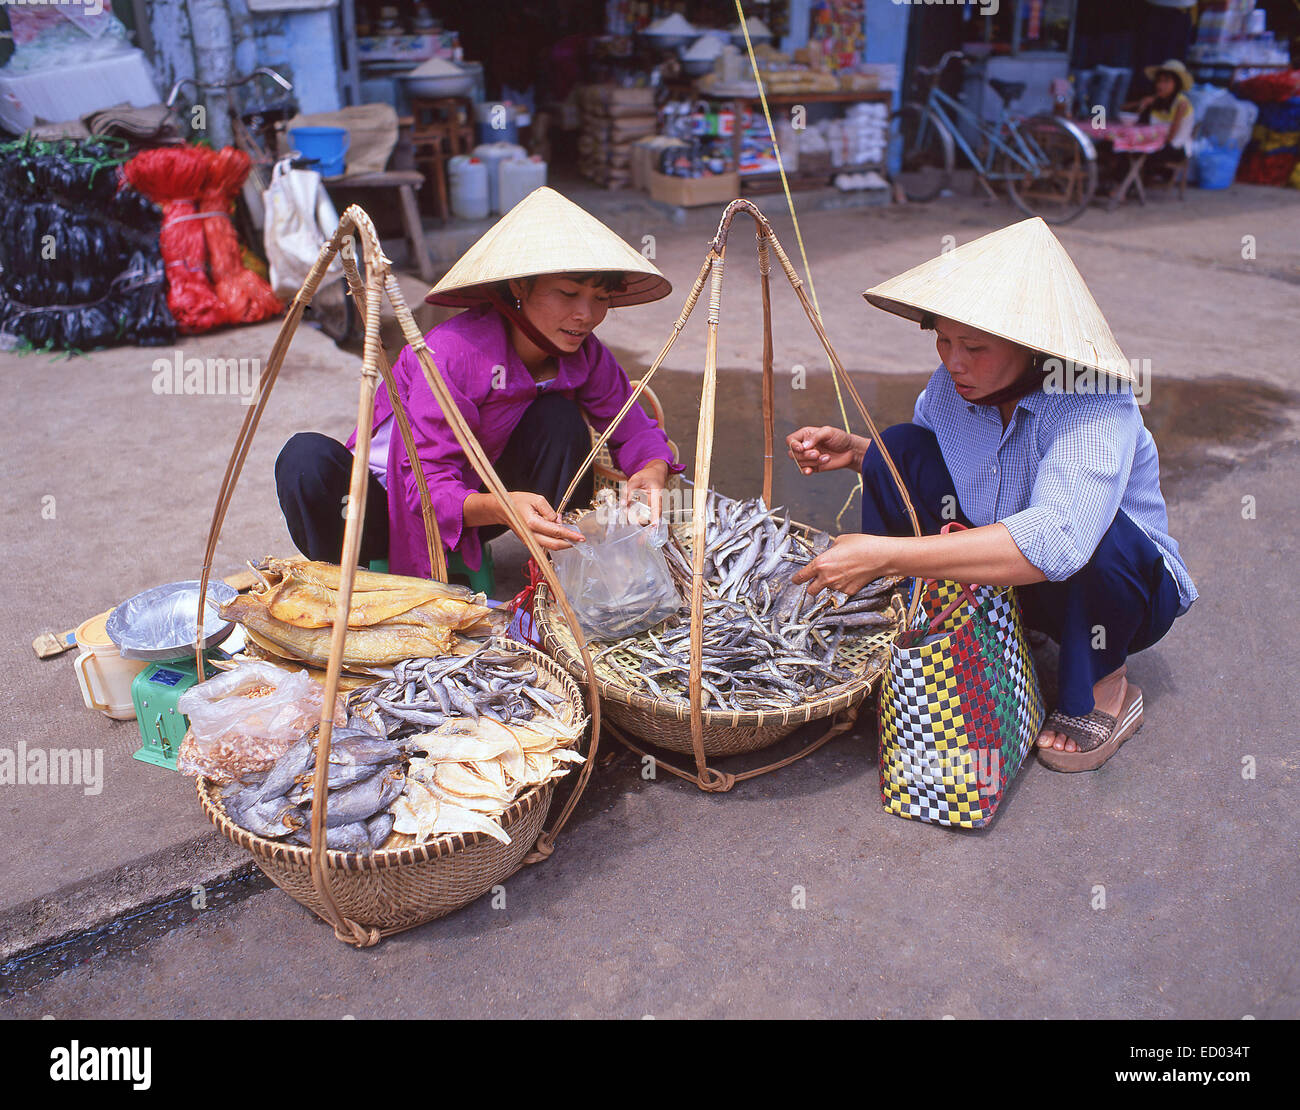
(1123, 600)
(313, 474)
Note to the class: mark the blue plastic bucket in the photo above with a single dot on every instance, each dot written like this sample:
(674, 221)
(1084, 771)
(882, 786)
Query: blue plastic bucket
(1216, 165)
(326, 146)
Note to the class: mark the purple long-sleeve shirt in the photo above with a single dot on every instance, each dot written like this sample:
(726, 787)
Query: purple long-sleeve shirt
(470, 349)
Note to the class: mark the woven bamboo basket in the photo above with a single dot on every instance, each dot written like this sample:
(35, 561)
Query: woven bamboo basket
(389, 890)
(690, 727)
(666, 722)
(399, 888)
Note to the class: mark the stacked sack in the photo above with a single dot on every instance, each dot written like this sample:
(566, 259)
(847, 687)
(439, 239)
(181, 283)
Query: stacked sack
(613, 120)
(1273, 156)
(79, 259)
(859, 138)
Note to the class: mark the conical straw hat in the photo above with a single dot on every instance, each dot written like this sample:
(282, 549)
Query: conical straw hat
(546, 233)
(1017, 283)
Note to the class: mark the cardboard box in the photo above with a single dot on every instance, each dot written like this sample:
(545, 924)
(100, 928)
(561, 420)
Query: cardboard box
(691, 192)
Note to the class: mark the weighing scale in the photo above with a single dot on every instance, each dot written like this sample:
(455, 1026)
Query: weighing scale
(155, 692)
(159, 626)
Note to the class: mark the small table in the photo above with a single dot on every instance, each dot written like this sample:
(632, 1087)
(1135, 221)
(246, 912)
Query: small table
(441, 127)
(406, 182)
(1135, 139)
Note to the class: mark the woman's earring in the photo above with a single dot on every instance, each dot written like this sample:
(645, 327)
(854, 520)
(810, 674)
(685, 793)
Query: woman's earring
(518, 303)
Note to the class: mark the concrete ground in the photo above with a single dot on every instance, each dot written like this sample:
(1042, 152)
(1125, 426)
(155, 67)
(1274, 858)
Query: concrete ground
(662, 900)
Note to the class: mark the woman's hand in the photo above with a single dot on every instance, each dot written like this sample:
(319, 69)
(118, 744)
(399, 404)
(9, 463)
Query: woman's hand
(543, 522)
(850, 563)
(826, 448)
(650, 479)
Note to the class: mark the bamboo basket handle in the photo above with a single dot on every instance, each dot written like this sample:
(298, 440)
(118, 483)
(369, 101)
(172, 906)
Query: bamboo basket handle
(483, 466)
(353, 218)
(837, 367)
(432, 534)
(709, 779)
(769, 385)
(603, 438)
(379, 280)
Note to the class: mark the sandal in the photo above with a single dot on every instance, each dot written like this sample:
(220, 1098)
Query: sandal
(1098, 735)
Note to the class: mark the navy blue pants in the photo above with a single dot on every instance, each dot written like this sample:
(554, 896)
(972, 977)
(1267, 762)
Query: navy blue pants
(1124, 597)
(313, 474)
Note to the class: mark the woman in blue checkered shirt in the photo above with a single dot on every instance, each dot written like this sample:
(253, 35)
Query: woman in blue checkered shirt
(1029, 435)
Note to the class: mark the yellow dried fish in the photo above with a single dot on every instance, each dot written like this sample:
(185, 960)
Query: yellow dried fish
(381, 644)
(305, 595)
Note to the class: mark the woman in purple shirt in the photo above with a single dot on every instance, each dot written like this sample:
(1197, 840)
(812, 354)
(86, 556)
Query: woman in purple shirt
(527, 374)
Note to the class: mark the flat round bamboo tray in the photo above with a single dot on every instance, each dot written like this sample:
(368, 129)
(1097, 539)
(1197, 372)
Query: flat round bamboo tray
(666, 722)
(399, 888)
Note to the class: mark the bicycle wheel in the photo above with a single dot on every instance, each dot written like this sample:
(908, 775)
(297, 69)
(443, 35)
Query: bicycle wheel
(1066, 178)
(923, 150)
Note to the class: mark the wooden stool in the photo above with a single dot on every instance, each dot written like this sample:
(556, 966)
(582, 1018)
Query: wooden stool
(406, 182)
(440, 129)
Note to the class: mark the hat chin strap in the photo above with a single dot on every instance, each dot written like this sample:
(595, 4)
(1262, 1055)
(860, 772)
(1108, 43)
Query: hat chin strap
(1028, 382)
(525, 325)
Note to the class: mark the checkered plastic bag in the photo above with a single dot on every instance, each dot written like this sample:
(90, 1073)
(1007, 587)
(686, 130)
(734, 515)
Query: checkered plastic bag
(960, 708)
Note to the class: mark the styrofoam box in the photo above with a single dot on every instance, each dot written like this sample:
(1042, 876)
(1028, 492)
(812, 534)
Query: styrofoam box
(68, 92)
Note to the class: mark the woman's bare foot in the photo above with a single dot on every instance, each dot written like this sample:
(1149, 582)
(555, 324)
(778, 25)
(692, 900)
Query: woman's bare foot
(1108, 695)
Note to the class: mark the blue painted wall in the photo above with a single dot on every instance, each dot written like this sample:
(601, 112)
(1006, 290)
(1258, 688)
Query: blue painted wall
(301, 45)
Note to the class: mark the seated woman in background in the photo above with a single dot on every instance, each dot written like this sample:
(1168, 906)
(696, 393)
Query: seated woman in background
(1170, 104)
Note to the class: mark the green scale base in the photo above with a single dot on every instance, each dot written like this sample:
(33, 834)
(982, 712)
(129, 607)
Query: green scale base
(154, 693)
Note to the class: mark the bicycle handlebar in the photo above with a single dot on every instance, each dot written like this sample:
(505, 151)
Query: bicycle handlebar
(935, 70)
(260, 71)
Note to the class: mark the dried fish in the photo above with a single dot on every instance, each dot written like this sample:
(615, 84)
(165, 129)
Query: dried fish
(766, 642)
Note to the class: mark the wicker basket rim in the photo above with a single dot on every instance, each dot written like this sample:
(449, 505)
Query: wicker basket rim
(386, 858)
(808, 710)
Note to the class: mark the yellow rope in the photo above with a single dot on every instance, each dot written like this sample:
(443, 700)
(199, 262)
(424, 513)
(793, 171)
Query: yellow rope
(798, 234)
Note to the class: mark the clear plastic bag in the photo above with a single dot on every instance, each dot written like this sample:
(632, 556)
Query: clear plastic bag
(242, 721)
(618, 581)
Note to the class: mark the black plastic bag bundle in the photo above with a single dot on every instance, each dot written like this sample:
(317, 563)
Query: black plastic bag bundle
(133, 310)
(80, 265)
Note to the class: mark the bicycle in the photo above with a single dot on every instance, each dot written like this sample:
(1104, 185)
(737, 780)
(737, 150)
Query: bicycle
(257, 119)
(1048, 164)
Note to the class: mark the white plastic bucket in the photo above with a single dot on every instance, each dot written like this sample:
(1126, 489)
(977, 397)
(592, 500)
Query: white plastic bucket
(103, 675)
(519, 178)
(468, 182)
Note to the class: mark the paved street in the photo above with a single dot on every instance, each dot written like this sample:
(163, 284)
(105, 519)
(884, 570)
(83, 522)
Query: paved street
(794, 895)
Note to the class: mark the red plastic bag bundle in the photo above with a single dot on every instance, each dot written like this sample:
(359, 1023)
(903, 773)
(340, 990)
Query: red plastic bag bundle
(1270, 87)
(1260, 168)
(246, 296)
(196, 187)
(173, 177)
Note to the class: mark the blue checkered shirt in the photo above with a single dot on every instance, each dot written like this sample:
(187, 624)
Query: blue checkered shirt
(1056, 475)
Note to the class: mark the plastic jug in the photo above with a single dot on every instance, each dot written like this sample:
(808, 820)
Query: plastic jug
(468, 181)
(494, 155)
(103, 675)
(519, 177)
